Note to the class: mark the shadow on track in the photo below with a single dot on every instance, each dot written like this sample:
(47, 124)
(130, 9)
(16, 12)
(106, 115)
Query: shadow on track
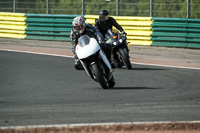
(139, 68)
(147, 69)
(131, 88)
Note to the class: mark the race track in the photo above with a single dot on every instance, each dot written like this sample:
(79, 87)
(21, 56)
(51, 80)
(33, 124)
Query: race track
(41, 90)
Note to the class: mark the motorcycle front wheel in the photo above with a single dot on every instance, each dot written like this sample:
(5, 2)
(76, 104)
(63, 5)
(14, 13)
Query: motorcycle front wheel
(111, 82)
(100, 77)
(125, 58)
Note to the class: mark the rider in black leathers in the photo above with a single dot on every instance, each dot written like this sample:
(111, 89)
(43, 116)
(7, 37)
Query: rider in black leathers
(103, 24)
(81, 28)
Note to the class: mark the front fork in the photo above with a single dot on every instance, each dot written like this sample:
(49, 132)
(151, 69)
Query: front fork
(115, 52)
(107, 63)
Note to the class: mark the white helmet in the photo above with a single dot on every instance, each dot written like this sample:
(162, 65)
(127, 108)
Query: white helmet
(79, 24)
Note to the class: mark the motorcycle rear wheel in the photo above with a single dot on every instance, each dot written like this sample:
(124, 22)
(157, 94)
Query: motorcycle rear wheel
(100, 77)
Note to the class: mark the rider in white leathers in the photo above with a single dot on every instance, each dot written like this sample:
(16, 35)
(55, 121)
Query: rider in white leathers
(81, 28)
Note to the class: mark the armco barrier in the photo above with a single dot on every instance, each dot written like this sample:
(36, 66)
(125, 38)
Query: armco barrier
(193, 33)
(176, 32)
(12, 25)
(49, 27)
(169, 32)
(36, 26)
(138, 28)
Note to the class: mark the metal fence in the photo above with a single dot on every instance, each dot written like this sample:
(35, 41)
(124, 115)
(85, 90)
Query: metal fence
(145, 8)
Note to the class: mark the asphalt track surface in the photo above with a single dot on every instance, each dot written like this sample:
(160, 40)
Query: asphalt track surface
(44, 90)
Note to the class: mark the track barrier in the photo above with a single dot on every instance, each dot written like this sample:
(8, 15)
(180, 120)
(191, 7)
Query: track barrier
(173, 32)
(36, 26)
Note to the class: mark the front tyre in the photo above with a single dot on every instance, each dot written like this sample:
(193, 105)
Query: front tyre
(111, 82)
(125, 58)
(99, 76)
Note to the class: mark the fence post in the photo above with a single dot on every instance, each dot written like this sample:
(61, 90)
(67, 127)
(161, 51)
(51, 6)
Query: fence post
(151, 8)
(14, 6)
(188, 8)
(83, 7)
(117, 7)
(47, 6)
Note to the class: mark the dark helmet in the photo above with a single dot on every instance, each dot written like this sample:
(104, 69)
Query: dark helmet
(103, 14)
(79, 24)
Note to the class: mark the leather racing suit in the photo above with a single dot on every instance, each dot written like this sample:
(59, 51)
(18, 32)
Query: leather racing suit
(104, 26)
(91, 31)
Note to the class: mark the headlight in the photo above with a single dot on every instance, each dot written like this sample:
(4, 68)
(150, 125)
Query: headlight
(120, 40)
(114, 43)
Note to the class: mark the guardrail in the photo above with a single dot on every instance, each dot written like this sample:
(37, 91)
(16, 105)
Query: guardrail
(138, 29)
(178, 32)
(36, 26)
(12, 25)
(49, 27)
(175, 32)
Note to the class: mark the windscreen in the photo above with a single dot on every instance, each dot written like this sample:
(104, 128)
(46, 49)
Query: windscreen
(84, 40)
(110, 33)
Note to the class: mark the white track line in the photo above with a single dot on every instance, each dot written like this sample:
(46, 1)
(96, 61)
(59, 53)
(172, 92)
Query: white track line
(96, 124)
(165, 65)
(30, 52)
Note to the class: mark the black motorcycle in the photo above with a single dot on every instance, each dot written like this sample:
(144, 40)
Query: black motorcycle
(119, 48)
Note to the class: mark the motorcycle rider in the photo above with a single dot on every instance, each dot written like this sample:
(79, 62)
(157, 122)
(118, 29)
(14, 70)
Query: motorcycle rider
(103, 24)
(79, 29)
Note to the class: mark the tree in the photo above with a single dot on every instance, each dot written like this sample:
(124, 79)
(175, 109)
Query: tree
(195, 9)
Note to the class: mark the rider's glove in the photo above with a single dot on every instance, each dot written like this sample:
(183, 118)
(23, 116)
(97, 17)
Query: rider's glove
(124, 33)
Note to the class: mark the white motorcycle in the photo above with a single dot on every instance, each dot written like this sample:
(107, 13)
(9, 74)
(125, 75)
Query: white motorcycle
(94, 61)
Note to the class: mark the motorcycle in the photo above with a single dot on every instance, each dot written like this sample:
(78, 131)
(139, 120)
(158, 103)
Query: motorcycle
(119, 48)
(95, 62)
